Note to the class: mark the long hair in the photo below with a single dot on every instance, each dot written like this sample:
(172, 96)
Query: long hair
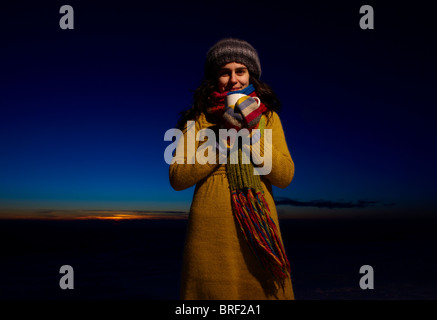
(201, 99)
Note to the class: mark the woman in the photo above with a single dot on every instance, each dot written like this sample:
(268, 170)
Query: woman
(233, 247)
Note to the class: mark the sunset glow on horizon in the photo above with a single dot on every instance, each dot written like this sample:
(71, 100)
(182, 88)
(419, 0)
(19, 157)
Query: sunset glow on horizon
(115, 215)
(284, 212)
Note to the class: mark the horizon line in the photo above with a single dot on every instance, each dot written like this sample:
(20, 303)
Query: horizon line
(283, 212)
(92, 214)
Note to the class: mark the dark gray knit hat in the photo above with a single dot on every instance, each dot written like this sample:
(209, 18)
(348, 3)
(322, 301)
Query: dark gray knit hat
(232, 50)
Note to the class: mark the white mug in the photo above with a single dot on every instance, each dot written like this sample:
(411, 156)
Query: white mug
(232, 99)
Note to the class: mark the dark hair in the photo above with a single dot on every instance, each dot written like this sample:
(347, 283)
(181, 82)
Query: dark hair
(201, 99)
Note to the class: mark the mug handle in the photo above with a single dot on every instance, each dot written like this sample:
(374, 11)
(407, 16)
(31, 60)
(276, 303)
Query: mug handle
(258, 99)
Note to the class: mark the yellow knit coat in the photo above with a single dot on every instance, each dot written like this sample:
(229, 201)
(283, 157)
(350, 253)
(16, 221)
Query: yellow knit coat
(218, 263)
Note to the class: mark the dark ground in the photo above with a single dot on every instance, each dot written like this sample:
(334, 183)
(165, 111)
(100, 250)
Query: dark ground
(141, 259)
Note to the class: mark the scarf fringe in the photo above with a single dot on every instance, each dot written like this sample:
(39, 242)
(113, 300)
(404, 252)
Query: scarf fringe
(260, 231)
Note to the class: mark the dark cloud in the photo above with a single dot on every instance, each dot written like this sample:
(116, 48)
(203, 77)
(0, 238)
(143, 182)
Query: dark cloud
(324, 203)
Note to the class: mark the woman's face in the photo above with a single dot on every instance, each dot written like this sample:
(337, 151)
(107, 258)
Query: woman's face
(232, 77)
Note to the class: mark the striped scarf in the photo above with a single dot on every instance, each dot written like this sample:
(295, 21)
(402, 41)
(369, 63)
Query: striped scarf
(245, 114)
(248, 203)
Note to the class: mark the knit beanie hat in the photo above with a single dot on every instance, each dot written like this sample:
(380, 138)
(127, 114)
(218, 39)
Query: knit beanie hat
(232, 50)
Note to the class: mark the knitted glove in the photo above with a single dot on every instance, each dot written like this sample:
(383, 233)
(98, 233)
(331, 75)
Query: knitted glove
(249, 108)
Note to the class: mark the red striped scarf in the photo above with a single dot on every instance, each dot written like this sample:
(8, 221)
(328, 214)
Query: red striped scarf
(248, 203)
(245, 114)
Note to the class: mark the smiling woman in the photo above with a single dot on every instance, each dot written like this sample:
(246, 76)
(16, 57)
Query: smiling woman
(233, 247)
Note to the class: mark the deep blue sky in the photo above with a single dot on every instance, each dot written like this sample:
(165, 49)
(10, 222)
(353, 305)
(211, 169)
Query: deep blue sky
(83, 112)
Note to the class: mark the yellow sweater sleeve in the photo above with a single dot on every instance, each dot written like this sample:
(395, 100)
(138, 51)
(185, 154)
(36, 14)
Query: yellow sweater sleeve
(183, 174)
(282, 171)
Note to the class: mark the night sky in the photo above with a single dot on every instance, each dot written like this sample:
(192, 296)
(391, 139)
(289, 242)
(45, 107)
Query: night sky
(83, 112)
